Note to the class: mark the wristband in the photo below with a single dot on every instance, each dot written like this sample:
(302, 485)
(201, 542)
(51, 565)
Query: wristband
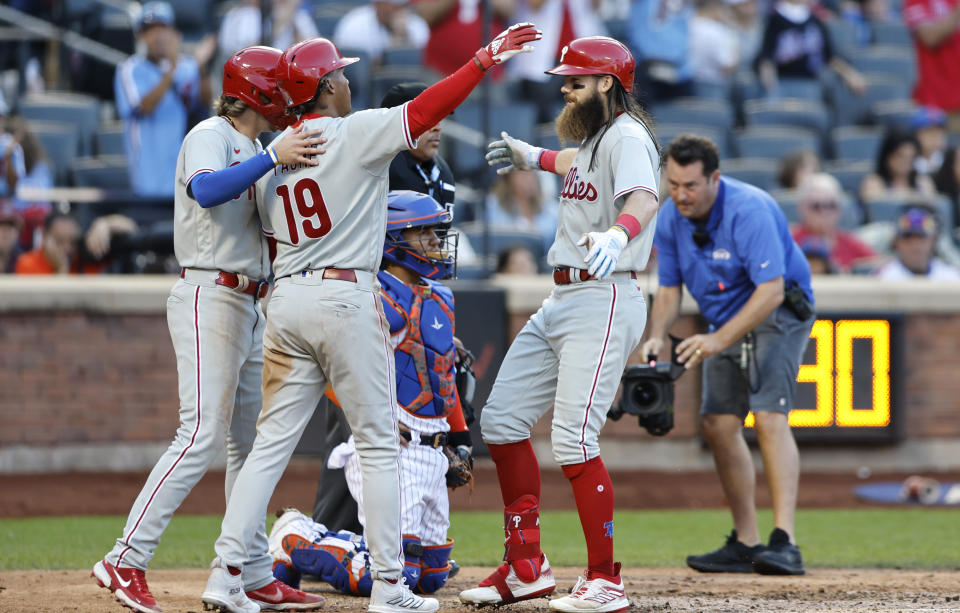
(629, 224)
(548, 160)
(273, 155)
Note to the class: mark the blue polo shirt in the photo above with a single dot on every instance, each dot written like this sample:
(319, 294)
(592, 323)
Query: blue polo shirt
(153, 141)
(750, 244)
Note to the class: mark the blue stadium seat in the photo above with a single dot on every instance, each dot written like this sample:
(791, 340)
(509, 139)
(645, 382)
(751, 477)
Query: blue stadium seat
(843, 35)
(666, 132)
(849, 172)
(502, 238)
(889, 210)
(406, 56)
(893, 33)
(787, 199)
(774, 142)
(194, 18)
(518, 119)
(106, 172)
(809, 114)
(60, 142)
(361, 81)
(761, 172)
(109, 139)
(893, 112)
(79, 110)
(855, 142)
(715, 114)
(891, 60)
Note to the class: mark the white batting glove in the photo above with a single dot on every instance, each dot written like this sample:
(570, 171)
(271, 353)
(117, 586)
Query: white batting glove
(605, 248)
(507, 44)
(513, 152)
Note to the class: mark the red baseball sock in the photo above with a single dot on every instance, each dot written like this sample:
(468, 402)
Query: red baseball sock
(593, 491)
(517, 470)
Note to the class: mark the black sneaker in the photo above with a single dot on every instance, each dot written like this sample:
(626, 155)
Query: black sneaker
(733, 557)
(780, 557)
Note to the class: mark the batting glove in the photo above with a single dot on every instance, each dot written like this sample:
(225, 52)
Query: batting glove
(605, 248)
(513, 152)
(509, 43)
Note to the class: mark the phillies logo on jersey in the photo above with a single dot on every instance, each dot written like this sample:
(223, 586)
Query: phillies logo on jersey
(576, 189)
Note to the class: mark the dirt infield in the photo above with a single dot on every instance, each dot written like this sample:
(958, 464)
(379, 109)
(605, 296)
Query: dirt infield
(649, 590)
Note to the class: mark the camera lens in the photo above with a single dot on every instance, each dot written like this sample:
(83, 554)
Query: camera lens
(646, 394)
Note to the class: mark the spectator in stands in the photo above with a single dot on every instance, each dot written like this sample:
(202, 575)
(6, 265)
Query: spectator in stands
(283, 23)
(746, 21)
(935, 25)
(561, 21)
(516, 202)
(913, 247)
(456, 30)
(863, 13)
(381, 25)
(660, 40)
(819, 206)
(63, 252)
(516, 260)
(796, 166)
(11, 163)
(797, 44)
(34, 165)
(155, 93)
(714, 48)
(818, 256)
(895, 176)
(947, 180)
(929, 127)
(10, 223)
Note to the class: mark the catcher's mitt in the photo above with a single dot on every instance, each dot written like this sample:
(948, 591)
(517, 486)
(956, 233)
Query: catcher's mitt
(461, 465)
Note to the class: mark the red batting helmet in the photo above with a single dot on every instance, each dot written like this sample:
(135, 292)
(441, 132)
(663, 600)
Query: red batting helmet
(304, 64)
(597, 55)
(250, 75)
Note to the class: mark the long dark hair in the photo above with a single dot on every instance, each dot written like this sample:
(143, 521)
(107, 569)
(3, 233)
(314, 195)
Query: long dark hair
(894, 139)
(619, 99)
(947, 181)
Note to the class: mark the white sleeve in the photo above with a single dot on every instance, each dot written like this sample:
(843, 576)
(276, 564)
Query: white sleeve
(378, 135)
(204, 151)
(635, 166)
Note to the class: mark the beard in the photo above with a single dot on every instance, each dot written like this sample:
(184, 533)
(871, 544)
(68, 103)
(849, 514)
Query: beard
(579, 121)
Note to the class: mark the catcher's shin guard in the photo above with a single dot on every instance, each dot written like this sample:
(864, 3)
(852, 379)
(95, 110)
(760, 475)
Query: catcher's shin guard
(435, 567)
(285, 572)
(412, 551)
(526, 573)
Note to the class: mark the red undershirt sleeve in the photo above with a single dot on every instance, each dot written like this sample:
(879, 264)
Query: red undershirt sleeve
(441, 98)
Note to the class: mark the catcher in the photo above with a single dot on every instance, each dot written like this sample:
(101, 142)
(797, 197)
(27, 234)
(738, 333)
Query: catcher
(435, 444)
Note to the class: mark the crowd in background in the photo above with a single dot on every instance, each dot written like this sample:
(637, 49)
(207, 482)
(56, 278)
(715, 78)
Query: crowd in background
(896, 216)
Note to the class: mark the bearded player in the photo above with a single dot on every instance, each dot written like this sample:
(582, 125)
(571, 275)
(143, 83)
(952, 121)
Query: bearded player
(571, 353)
(215, 319)
(418, 252)
(327, 323)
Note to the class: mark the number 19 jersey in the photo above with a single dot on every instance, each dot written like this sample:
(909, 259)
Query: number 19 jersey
(335, 215)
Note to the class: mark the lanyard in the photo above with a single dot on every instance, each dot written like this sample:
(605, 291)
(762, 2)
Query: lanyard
(432, 180)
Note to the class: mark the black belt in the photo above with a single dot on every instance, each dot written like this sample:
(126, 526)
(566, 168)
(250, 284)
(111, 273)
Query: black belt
(436, 441)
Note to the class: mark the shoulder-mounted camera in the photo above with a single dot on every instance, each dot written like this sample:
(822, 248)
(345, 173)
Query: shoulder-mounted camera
(648, 392)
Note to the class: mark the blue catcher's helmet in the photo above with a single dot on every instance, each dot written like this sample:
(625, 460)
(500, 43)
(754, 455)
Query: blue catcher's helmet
(408, 209)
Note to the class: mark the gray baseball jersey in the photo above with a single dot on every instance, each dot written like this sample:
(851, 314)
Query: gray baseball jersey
(225, 237)
(335, 214)
(627, 160)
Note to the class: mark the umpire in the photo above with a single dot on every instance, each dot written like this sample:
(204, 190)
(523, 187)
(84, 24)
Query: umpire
(729, 244)
(420, 170)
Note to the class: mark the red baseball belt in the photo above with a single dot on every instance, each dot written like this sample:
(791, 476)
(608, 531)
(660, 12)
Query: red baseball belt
(563, 275)
(238, 282)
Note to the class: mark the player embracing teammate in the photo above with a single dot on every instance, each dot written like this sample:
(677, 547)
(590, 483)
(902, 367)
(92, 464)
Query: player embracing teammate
(571, 353)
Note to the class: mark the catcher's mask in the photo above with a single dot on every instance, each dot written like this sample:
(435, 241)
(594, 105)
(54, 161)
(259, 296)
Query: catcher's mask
(409, 210)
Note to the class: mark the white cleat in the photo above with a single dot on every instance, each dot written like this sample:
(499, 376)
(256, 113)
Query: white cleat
(225, 591)
(504, 587)
(593, 596)
(396, 597)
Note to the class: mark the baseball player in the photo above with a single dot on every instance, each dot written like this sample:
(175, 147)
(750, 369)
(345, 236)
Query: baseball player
(215, 320)
(326, 320)
(571, 353)
(418, 251)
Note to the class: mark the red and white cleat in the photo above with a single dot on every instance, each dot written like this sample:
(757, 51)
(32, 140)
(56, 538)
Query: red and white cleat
(504, 586)
(597, 594)
(129, 586)
(278, 596)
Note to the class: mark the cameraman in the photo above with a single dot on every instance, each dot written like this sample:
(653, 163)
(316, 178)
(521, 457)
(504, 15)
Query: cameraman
(729, 243)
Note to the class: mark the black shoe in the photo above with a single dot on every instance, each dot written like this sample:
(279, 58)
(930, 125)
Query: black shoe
(780, 558)
(733, 557)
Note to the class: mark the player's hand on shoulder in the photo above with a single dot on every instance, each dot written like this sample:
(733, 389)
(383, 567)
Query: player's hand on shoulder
(507, 44)
(299, 146)
(603, 251)
(513, 152)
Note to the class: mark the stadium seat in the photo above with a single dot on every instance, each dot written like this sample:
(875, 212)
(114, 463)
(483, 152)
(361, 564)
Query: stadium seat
(406, 56)
(105, 172)
(893, 112)
(891, 60)
(60, 142)
(81, 111)
(889, 210)
(715, 114)
(893, 34)
(361, 81)
(810, 114)
(109, 139)
(843, 35)
(855, 142)
(194, 17)
(518, 119)
(787, 199)
(502, 238)
(849, 172)
(774, 142)
(761, 172)
(666, 132)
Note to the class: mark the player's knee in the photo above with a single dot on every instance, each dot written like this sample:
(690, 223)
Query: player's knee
(501, 427)
(412, 553)
(569, 449)
(435, 564)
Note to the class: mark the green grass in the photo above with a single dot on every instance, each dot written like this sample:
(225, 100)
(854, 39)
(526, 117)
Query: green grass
(873, 538)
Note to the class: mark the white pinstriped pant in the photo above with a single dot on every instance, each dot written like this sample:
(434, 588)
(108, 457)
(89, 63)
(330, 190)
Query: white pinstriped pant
(570, 355)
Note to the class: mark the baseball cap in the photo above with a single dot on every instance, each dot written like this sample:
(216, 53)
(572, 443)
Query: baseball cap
(917, 221)
(155, 13)
(815, 247)
(926, 117)
(400, 93)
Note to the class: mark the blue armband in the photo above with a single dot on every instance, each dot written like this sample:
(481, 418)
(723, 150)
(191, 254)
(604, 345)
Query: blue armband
(211, 189)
